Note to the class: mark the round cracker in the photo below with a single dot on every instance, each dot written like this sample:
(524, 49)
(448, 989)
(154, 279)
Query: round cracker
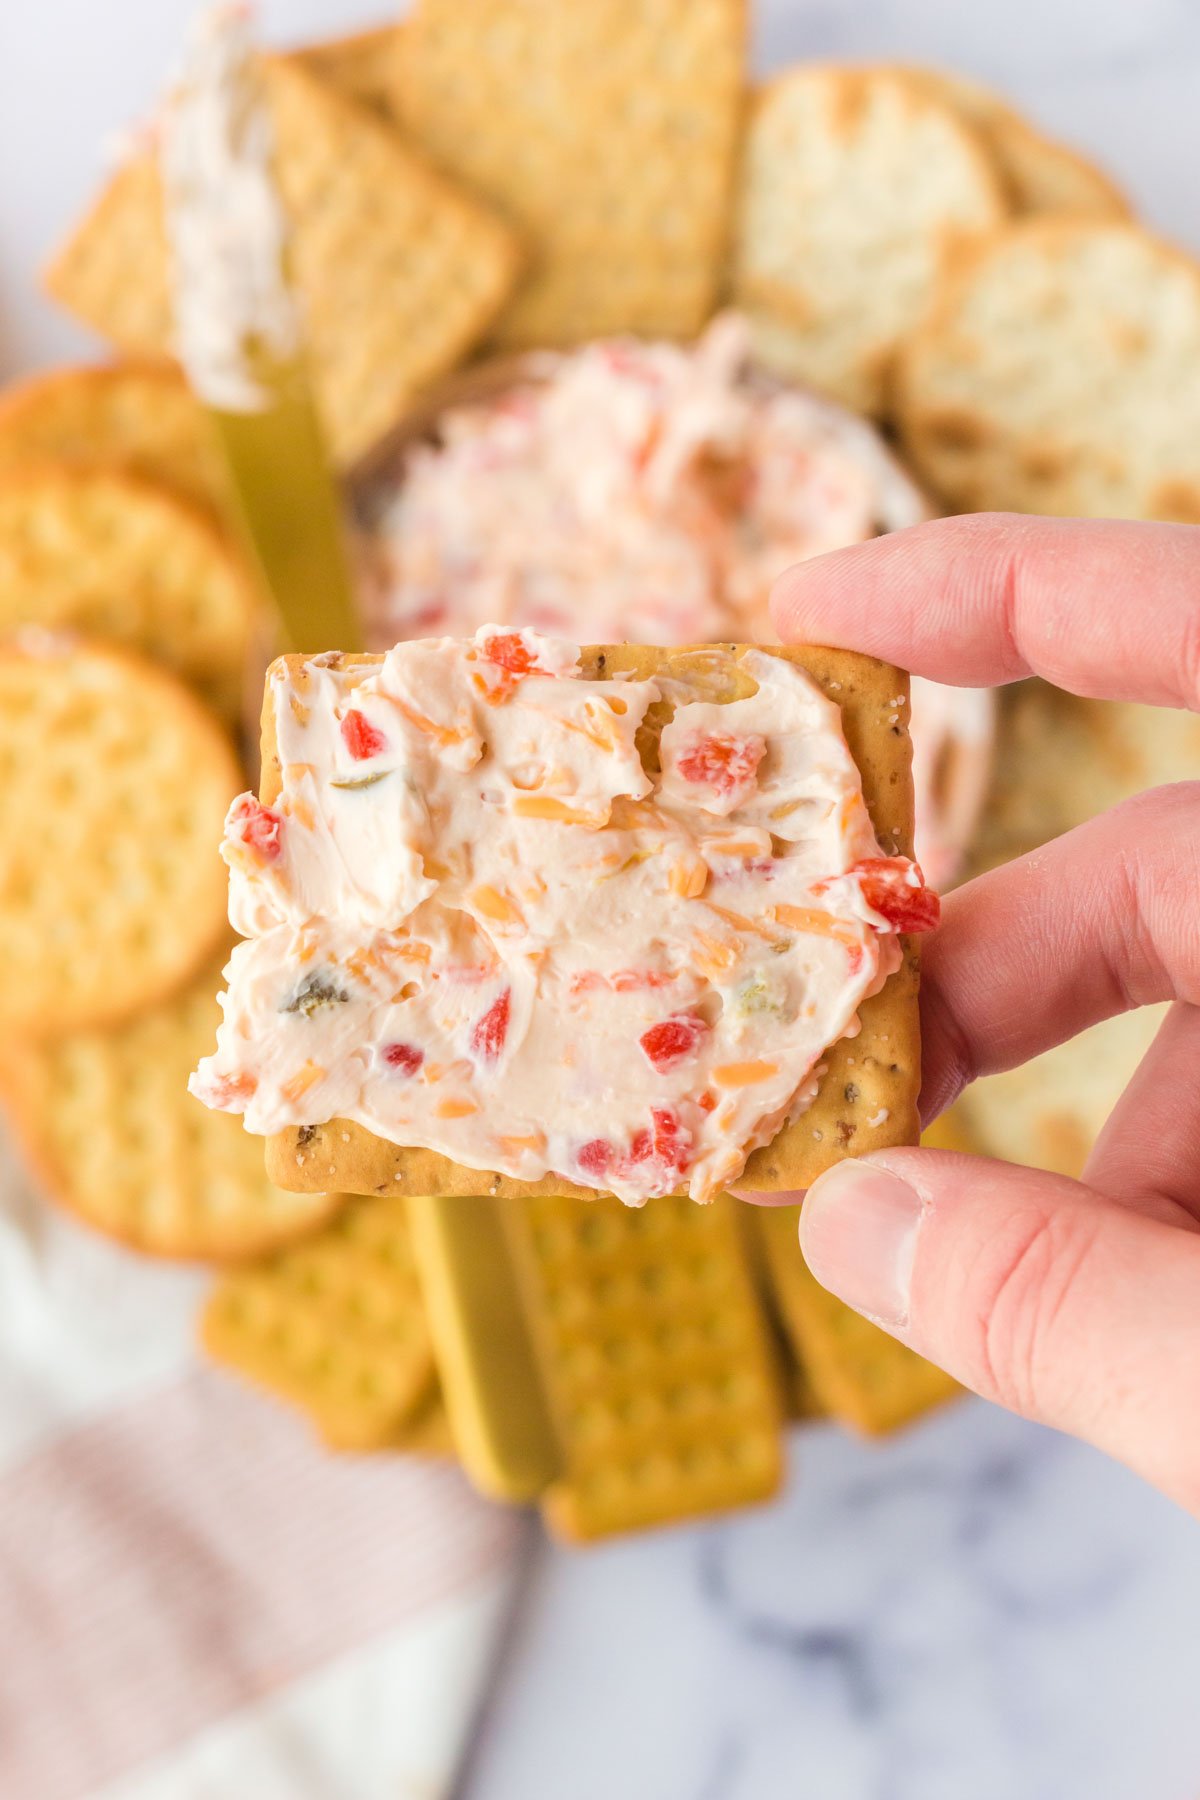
(854, 184)
(136, 416)
(1060, 373)
(107, 1123)
(114, 781)
(1101, 751)
(1048, 1113)
(107, 553)
(1041, 174)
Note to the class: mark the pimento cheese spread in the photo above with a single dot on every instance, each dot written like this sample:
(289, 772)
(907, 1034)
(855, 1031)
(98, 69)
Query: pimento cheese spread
(628, 492)
(651, 493)
(484, 921)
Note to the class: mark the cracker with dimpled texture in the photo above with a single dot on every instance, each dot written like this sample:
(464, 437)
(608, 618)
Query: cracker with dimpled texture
(856, 1372)
(114, 781)
(867, 1098)
(605, 132)
(114, 556)
(397, 271)
(105, 1120)
(335, 1326)
(854, 184)
(362, 66)
(655, 1360)
(135, 416)
(1055, 373)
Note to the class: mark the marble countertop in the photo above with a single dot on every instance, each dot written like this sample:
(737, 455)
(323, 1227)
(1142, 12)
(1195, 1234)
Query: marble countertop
(979, 1610)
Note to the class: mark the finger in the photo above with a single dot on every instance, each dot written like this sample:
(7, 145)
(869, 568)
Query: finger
(1033, 1290)
(1101, 920)
(1148, 1155)
(1100, 607)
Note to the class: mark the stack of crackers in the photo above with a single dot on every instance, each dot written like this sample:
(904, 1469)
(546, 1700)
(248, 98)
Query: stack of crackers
(504, 174)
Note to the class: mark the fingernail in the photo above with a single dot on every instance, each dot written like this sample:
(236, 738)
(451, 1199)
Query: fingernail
(858, 1232)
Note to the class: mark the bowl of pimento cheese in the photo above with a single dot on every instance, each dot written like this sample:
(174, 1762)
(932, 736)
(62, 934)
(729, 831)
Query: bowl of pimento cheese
(650, 492)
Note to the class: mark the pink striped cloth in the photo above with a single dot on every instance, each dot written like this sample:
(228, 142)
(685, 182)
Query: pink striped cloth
(196, 1602)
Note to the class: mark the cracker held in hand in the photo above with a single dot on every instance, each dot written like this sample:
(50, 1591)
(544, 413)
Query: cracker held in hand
(855, 184)
(1057, 374)
(398, 272)
(113, 782)
(335, 1325)
(114, 556)
(106, 1122)
(538, 920)
(605, 133)
(1040, 174)
(135, 416)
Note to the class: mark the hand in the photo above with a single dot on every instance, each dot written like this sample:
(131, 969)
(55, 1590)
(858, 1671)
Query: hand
(1073, 1302)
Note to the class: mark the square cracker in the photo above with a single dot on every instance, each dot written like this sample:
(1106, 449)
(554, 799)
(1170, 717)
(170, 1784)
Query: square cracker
(867, 1098)
(398, 272)
(606, 132)
(362, 66)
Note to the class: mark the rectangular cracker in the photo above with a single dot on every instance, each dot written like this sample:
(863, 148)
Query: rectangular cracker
(856, 1372)
(655, 1360)
(867, 1099)
(605, 132)
(335, 1326)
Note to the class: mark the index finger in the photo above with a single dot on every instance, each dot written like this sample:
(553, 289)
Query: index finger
(1101, 607)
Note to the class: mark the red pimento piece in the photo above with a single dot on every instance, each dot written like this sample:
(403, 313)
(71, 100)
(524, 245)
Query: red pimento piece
(888, 891)
(489, 1032)
(261, 828)
(508, 652)
(362, 739)
(667, 1146)
(406, 1059)
(668, 1042)
(628, 981)
(707, 1101)
(596, 1158)
(227, 1089)
(722, 762)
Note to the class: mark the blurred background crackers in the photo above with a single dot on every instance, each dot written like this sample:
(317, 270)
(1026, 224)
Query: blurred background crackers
(605, 133)
(399, 272)
(853, 184)
(113, 785)
(105, 553)
(138, 417)
(105, 1118)
(335, 1326)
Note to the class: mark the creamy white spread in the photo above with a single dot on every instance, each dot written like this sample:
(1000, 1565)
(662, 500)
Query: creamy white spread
(478, 923)
(639, 492)
(651, 493)
(225, 223)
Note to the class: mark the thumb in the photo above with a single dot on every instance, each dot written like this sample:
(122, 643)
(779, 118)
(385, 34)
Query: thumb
(1036, 1291)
